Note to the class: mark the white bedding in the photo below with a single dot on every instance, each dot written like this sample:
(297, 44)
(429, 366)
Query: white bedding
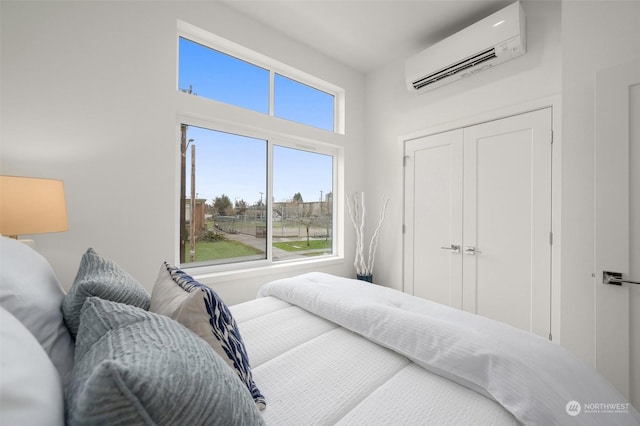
(314, 372)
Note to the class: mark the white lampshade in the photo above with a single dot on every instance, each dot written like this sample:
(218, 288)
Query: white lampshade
(31, 206)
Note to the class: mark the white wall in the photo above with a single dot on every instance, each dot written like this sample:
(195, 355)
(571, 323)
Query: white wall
(611, 29)
(88, 96)
(392, 112)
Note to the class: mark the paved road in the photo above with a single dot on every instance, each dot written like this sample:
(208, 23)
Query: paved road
(260, 244)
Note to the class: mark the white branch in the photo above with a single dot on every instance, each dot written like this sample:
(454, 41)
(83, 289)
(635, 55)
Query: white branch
(352, 214)
(357, 212)
(374, 240)
(363, 266)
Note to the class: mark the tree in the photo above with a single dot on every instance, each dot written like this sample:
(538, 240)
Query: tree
(221, 204)
(241, 206)
(297, 197)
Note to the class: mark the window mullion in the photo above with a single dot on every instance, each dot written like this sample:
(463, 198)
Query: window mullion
(272, 91)
(269, 200)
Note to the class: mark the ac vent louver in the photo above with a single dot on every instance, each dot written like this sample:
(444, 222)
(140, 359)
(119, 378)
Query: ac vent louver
(455, 68)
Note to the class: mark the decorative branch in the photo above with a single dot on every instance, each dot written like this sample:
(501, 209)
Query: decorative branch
(374, 240)
(355, 219)
(357, 212)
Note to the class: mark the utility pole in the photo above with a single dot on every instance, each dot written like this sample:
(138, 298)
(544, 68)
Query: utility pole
(261, 204)
(183, 190)
(183, 183)
(193, 203)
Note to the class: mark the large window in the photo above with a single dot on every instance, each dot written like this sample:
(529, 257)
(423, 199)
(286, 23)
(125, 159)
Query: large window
(252, 194)
(228, 215)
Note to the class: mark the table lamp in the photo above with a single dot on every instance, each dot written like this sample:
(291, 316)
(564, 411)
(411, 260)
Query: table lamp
(31, 206)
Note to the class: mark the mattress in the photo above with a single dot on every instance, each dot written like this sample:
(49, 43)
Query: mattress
(332, 350)
(314, 372)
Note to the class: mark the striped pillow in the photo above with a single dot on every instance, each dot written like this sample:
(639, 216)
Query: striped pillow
(196, 306)
(103, 278)
(135, 367)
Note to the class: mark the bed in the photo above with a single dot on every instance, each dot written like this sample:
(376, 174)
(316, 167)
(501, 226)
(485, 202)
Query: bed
(313, 349)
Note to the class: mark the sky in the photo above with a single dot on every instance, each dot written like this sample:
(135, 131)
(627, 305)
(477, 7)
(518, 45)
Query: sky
(236, 165)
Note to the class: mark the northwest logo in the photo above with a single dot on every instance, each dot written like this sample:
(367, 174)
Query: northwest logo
(573, 408)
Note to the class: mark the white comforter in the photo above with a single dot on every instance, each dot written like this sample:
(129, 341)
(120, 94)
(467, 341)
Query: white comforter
(530, 377)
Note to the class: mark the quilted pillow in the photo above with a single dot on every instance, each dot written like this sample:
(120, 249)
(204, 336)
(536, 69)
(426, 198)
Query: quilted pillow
(103, 278)
(136, 367)
(178, 296)
(30, 291)
(30, 387)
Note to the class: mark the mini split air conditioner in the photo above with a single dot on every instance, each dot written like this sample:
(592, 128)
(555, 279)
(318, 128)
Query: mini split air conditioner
(485, 44)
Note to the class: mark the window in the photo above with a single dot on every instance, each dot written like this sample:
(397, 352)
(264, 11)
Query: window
(214, 75)
(236, 76)
(302, 223)
(226, 213)
(221, 219)
(251, 194)
(302, 103)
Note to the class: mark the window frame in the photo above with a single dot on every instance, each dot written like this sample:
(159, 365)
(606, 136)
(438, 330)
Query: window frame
(273, 139)
(198, 35)
(215, 115)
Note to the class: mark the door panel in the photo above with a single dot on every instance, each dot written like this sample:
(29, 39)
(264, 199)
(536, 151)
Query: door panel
(507, 218)
(433, 212)
(634, 245)
(614, 101)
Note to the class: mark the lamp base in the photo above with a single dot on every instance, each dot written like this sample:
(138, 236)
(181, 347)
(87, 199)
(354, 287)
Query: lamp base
(30, 243)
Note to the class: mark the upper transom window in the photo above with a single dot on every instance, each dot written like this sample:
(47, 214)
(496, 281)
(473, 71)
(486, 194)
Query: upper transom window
(256, 83)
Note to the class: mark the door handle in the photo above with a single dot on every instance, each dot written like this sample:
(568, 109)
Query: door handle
(615, 278)
(471, 250)
(452, 248)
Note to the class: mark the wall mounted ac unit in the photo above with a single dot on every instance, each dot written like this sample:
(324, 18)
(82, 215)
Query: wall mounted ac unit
(487, 43)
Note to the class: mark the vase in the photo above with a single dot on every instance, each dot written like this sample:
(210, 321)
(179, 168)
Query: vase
(365, 277)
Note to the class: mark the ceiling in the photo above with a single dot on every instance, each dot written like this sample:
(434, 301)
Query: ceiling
(367, 34)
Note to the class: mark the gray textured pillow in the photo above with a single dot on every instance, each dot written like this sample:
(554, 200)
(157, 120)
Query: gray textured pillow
(137, 367)
(103, 278)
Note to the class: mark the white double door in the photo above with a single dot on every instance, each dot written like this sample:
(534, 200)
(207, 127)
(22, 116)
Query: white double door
(478, 219)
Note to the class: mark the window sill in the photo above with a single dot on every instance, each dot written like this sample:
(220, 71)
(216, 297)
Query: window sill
(208, 273)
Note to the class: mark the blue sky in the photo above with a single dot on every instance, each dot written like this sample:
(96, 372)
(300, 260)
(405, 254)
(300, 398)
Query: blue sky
(236, 165)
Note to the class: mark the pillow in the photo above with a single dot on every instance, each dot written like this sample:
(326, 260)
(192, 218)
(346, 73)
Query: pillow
(136, 367)
(30, 389)
(101, 278)
(200, 309)
(30, 291)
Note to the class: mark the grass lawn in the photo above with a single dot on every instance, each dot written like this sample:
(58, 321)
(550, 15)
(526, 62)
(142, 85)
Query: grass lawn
(302, 245)
(211, 250)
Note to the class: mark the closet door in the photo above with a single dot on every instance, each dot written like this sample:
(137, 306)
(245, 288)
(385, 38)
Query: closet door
(433, 218)
(617, 230)
(507, 221)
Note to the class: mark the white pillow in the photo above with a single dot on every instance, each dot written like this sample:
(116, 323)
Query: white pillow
(30, 389)
(31, 292)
